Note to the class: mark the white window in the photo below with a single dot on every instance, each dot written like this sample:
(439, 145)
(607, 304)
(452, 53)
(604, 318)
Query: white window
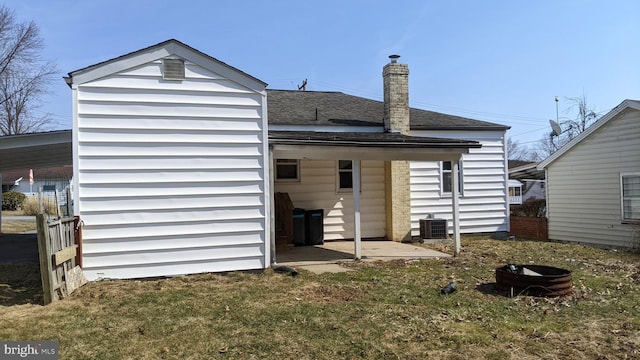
(345, 176)
(445, 180)
(287, 170)
(630, 188)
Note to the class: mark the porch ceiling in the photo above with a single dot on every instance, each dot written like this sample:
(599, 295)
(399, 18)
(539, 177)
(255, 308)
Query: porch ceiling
(36, 150)
(365, 146)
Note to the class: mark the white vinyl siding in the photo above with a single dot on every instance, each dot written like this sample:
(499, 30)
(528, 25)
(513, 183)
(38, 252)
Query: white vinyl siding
(171, 174)
(317, 190)
(483, 206)
(583, 185)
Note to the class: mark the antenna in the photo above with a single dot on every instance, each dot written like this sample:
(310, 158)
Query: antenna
(557, 121)
(303, 87)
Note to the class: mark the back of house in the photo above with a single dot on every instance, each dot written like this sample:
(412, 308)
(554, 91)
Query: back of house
(173, 156)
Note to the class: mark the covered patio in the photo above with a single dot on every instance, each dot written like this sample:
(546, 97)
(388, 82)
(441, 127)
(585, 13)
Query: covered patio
(358, 146)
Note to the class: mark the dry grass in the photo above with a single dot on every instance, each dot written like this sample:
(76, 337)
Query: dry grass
(31, 205)
(16, 227)
(381, 310)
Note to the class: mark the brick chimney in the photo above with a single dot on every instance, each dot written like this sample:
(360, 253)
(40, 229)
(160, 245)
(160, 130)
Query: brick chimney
(396, 96)
(396, 119)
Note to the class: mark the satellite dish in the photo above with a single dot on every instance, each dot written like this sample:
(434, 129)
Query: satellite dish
(556, 131)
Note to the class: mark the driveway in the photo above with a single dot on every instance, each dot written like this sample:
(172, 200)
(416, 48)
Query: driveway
(19, 248)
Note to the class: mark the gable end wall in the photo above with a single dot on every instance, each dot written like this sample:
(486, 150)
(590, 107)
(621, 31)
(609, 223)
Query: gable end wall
(170, 175)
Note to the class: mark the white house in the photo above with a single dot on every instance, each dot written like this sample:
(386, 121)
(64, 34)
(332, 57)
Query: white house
(532, 181)
(175, 167)
(593, 182)
(28, 181)
(515, 192)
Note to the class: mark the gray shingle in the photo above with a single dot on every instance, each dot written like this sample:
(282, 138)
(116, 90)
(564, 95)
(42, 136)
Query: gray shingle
(289, 107)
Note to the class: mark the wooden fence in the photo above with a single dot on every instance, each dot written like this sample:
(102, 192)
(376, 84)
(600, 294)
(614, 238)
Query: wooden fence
(58, 250)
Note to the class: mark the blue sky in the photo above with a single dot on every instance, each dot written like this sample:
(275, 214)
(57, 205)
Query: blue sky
(502, 61)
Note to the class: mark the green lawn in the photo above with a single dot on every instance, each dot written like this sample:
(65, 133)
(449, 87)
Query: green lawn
(382, 310)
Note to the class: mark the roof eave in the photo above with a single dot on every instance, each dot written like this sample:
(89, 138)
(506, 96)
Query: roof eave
(458, 128)
(154, 52)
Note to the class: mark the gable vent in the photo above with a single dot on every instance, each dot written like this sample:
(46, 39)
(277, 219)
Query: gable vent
(173, 69)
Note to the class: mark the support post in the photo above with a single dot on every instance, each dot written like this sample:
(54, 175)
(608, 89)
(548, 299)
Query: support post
(272, 207)
(356, 209)
(455, 205)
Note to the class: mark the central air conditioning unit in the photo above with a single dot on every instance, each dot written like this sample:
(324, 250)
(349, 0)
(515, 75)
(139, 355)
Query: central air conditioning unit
(433, 229)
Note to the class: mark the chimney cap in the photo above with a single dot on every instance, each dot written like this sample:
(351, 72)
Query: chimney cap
(394, 58)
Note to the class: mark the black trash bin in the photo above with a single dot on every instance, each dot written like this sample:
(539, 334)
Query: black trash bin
(314, 227)
(299, 234)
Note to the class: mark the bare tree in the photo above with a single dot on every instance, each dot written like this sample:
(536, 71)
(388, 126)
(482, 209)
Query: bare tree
(24, 75)
(571, 127)
(546, 146)
(585, 116)
(517, 151)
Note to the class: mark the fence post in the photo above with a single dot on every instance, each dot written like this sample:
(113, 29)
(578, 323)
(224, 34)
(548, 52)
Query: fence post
(44, 252)
(40, 200)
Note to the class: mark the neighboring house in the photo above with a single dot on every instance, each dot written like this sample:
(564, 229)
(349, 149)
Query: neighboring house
(593, 182)
(531, 179)
(175, 167)
(50, 179)
(515, 192)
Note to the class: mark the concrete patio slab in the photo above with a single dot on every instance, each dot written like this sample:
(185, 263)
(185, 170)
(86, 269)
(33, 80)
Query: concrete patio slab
(335, 252)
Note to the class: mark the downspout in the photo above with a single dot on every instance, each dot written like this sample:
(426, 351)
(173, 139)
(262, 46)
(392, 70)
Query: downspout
(270, 205)
(75, 150)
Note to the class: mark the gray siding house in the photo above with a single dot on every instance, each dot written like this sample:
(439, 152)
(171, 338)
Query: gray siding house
(593, 182)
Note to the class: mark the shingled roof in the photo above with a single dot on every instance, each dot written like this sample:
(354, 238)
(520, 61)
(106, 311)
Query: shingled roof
(321, 108)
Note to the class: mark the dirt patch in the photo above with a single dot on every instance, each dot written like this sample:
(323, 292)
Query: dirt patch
(332, 294)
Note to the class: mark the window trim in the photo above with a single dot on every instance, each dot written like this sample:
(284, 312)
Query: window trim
(622, 198)
(297, 165)
(460, 179)
(341, 190)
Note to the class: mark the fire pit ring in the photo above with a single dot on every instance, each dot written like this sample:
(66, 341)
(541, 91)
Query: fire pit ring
(536, 280)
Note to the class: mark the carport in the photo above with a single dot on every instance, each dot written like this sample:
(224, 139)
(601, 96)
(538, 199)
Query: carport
(27, 151)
